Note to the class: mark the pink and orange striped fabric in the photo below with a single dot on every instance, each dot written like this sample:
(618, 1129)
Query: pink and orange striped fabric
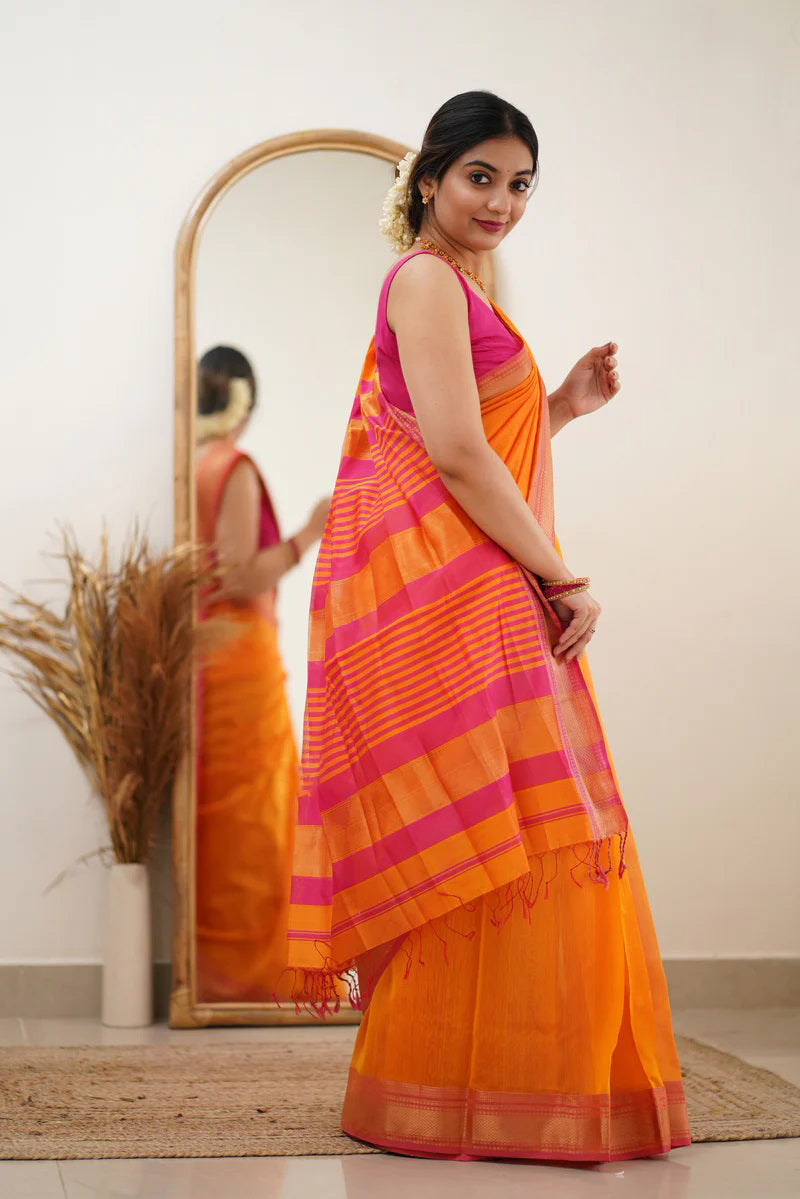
(445, 749)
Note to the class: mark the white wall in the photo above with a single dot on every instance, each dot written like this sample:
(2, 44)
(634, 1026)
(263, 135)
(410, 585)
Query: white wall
(666, 219)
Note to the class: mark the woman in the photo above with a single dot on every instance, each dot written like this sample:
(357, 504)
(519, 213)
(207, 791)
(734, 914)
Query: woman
(247, 761)
(461, 835)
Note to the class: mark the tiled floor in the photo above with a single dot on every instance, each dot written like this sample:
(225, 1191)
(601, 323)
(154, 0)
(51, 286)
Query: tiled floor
(745, 1170)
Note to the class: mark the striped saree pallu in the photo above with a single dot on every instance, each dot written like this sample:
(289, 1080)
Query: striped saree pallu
(445, 749)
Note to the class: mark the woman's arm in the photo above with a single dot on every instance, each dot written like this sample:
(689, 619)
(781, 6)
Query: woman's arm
(248, 571)
(428, 312)
(560, 414)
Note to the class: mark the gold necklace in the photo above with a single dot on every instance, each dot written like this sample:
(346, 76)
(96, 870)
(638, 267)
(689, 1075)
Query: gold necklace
(430, 245)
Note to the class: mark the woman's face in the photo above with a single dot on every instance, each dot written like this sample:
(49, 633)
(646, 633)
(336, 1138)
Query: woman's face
(482, 195)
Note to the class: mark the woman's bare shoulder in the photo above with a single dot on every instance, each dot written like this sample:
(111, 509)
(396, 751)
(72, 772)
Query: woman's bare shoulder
(243, 482)
(422, 271)
(424, 282)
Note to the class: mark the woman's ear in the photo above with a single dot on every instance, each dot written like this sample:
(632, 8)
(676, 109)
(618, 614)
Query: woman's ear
(425, 188)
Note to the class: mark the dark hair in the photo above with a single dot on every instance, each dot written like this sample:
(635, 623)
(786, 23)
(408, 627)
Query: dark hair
(461, 123)
(214, 372)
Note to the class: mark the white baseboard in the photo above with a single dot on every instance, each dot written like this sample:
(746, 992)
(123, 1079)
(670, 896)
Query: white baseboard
(73, 989)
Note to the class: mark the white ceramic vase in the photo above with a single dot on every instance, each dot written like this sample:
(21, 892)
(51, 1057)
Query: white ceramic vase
(128, 958)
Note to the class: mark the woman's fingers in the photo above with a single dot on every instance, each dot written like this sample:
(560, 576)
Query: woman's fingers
(580, 629)
(610, 368)
(577, 621)
(582, 611)
(574, 630)
(578, 648)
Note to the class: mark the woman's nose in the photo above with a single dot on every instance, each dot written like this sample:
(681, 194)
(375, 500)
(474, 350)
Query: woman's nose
(499, 204)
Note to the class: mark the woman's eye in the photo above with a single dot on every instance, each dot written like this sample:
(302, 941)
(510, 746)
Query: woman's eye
(478, 176)
(521, 186)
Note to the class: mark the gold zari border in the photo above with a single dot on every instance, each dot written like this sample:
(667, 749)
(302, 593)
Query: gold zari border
(454, 1120)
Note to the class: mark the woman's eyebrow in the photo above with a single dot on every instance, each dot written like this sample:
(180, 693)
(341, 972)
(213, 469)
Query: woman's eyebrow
(476, 162)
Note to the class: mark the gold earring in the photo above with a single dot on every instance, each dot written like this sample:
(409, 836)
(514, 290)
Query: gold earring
(425, 199)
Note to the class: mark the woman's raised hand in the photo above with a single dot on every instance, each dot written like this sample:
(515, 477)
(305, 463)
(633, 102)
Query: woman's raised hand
(592, 382)
(580, 614)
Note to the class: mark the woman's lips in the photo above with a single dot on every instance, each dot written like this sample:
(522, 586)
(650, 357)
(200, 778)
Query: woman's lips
(491, 226)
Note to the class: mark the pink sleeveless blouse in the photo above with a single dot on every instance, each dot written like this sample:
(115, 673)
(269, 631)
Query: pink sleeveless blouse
(492, 343)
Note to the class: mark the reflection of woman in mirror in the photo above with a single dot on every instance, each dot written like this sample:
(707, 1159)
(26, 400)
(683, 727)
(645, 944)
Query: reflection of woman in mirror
(247, 761)
(462, 838)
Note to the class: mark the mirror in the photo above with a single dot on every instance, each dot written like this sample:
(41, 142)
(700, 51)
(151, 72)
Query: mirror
(281, 258)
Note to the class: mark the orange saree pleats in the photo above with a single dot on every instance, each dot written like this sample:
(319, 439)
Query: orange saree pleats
(537, 1030)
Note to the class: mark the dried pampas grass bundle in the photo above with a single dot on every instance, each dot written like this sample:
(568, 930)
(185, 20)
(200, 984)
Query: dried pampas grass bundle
(114, 674)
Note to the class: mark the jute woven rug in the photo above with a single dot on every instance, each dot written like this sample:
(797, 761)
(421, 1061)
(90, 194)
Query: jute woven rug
(279, 1098)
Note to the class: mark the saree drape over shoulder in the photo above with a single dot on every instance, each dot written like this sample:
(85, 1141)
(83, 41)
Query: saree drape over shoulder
(461, 837)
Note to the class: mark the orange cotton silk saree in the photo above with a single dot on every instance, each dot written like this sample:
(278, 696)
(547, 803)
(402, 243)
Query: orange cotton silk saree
(247, 781)
(461, 836)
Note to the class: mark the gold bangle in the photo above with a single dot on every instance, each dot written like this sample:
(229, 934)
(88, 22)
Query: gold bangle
(564, 582)
(563, 594)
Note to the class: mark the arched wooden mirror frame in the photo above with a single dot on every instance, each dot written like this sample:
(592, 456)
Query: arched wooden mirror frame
(185, 1010)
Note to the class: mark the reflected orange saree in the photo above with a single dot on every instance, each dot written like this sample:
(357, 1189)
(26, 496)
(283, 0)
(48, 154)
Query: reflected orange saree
(246, 788)
(461, 836)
